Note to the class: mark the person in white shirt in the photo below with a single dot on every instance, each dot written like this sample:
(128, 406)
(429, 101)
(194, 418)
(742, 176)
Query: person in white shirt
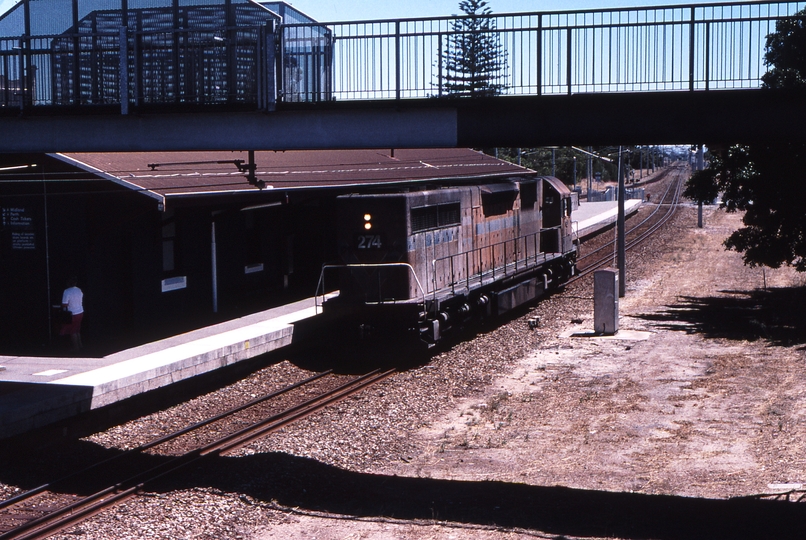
(73, 301)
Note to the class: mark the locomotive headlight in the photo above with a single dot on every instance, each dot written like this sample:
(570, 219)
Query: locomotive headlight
(367, 225)
(367, 217)
(367, 221)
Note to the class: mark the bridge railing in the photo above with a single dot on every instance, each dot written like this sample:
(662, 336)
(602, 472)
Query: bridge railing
(690, 47)
(668, 48)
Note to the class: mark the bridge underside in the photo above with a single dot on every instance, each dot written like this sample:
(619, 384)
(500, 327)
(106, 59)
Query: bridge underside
(712, 117)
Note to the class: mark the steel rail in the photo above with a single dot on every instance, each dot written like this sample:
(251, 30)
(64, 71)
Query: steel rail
(239, 439)
(642, 222)
(51, 485)
(671, 210)
(88, 506)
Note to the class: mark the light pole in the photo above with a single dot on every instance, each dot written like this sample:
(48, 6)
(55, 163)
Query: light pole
(622, 246)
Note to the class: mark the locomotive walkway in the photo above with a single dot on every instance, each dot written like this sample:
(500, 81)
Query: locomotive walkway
(39, 391)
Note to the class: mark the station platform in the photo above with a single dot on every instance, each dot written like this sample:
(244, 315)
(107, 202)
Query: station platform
(38, 391)
(592, 217)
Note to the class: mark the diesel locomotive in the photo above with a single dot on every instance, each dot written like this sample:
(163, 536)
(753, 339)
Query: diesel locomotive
(425, 262)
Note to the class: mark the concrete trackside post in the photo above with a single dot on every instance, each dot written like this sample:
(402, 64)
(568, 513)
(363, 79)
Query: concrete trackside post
(605, 301)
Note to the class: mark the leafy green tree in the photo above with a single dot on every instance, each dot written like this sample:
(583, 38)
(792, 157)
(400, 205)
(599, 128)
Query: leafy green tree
(786, 52)
(765, 181)
(561, 163)
(473, 61)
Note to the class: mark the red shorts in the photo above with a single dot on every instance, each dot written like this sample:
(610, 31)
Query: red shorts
(73, 327)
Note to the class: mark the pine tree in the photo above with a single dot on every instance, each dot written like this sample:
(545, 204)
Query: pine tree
(474, 61)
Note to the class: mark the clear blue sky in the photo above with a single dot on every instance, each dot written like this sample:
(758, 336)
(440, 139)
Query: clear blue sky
(347, 10)
(350, 10)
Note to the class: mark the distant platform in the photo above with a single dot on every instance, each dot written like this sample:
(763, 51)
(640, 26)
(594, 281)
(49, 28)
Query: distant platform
(38, 391)
(591, 217)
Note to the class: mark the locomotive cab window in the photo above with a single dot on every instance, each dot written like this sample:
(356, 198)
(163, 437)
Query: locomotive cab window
(498, 199)
(437, 216)
(528, 195)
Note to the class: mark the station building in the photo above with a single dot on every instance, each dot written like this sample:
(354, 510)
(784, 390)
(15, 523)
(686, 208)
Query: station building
(165, 242)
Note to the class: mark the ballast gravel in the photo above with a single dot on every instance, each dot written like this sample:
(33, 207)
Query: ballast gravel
(510, 404)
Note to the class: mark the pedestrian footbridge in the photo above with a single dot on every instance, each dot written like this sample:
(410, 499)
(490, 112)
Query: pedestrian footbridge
(112, 75)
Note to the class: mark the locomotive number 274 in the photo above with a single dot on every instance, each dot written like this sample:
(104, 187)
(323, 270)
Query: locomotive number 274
(369, 241)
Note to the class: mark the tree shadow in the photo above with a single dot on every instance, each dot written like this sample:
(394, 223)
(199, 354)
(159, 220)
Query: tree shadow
(775, 315)
(309, 485)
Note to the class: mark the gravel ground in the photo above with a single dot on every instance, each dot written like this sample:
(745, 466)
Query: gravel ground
(702, 399)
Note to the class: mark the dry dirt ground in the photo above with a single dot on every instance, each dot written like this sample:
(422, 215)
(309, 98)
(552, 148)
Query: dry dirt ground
(700, 395)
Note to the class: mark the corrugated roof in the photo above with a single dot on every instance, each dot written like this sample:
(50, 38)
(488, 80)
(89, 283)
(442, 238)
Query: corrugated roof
(173, 174)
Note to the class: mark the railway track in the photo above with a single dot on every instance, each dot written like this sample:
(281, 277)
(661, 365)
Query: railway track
(56, 506)
(52, 507)
(664, 211)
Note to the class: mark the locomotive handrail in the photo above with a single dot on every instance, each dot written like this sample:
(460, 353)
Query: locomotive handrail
(321, 284)
(538, 257)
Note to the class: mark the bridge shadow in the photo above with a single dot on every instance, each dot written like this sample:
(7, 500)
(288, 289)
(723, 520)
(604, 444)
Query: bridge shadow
(309, 485)
(774, 315)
